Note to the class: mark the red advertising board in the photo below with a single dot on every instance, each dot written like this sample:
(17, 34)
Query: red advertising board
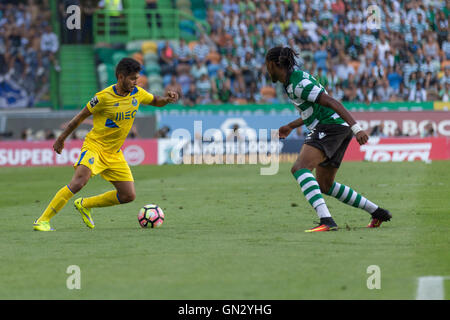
(399, 149)
(40, 153)
(410, 123)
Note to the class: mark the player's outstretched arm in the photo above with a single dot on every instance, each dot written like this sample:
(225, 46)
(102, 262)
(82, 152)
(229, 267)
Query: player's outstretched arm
(170, 97)
(327, 101)
(58, 146)
(284, 131)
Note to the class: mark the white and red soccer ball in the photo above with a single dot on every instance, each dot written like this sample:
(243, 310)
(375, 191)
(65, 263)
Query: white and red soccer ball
(151, 216)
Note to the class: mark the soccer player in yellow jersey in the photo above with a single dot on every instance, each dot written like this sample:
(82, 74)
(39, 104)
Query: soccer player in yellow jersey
(113, 110)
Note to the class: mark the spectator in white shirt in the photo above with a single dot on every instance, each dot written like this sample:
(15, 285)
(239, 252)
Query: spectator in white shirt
(417, 93)
(49, 46)
(343, 70)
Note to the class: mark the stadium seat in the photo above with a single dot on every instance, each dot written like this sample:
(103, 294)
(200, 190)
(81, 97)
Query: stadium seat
(156, 89)
(150, 57)
(117, 56)
(134, 46)
(200, 4)
(105, 54)
(152, 68)
(199, 13)
(102, 73)
(155, 79)
(187, 29)
(149, 46)
(110, 69)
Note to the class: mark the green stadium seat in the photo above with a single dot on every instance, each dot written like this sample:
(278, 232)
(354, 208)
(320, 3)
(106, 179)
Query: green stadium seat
(102, 73)
(117, 56)
(199, 13)
(156, 89)
(150, 58)
(198, 4)
(111, 74)
(152, 68)
(105, 54)
(155, 78)
(187, 25)
(134, 46)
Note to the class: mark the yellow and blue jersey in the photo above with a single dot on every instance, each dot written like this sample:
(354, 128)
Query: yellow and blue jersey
(113, 117)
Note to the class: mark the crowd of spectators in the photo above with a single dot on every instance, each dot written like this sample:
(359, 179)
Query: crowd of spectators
(28, 50)
(405, 58)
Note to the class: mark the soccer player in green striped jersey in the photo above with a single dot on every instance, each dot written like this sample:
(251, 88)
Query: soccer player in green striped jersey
(331, 129)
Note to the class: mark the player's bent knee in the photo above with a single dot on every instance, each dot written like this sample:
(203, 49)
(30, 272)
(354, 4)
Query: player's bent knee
(126, 198)
(300, 166)
(77, 185)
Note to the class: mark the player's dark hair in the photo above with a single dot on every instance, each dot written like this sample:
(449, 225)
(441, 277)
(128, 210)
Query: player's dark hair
(127, 66)
(283, 57)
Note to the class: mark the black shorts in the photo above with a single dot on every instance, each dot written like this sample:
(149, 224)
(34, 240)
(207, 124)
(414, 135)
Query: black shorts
(333, 140)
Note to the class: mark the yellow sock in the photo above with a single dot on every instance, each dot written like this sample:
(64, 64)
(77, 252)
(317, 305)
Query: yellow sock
(58, 202)
(106, 199)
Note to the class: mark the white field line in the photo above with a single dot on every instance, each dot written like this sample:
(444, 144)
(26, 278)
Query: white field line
(430, 288)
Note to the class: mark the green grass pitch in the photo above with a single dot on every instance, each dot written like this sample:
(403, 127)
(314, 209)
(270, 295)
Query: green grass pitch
(229, 233)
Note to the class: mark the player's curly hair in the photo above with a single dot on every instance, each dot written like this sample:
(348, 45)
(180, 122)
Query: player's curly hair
(127, 66)
(283, 57)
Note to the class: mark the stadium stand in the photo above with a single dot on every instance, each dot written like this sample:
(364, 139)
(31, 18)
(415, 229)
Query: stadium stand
(406, 59)
(218, 47)
(28, 51)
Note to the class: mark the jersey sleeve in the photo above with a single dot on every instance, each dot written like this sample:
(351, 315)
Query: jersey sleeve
(307, 90)
(96, 103)
(145, 97)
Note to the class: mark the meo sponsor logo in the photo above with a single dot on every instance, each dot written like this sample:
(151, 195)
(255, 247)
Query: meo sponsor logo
(134, 155)
(125, 115)
(397, 152)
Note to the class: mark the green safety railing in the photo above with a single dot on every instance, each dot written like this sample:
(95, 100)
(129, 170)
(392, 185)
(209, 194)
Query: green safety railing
(285, 108)
(139, 24)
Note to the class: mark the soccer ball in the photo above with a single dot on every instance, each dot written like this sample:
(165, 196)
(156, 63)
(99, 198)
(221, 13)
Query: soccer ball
(151, 216)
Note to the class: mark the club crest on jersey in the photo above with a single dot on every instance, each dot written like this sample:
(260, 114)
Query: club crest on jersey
(91, 160)
(134, 102)
(322, 135)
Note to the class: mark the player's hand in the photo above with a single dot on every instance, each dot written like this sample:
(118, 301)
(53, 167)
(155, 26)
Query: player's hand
(362, 137)
(284, 131)
(58, 146)
(172, 96)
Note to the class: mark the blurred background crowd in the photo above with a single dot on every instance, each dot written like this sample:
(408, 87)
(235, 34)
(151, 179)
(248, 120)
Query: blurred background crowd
(406, 59)
(28, 47)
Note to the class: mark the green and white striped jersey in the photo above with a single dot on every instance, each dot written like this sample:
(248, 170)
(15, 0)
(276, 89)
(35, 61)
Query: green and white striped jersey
(303, 90)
